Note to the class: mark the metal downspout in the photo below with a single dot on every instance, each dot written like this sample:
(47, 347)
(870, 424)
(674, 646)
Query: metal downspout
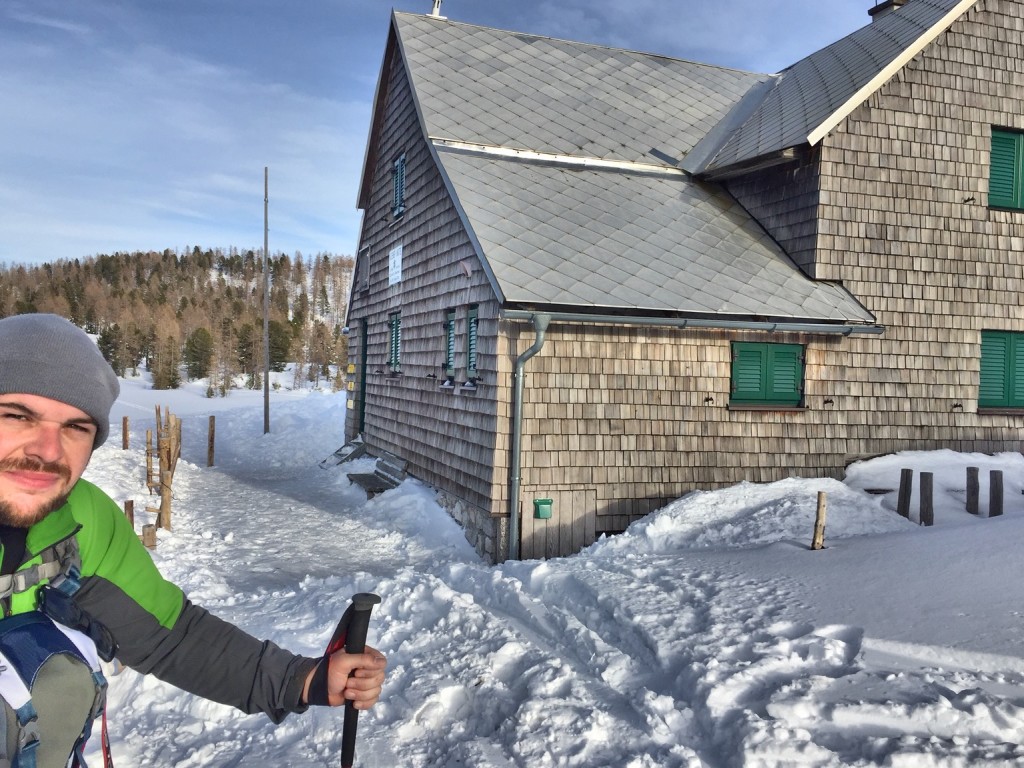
(540, 325)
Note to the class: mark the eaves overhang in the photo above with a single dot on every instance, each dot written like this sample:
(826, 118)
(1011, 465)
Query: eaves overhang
(563, 315)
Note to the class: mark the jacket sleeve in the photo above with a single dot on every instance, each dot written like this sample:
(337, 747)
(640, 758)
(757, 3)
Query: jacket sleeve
(159, 631)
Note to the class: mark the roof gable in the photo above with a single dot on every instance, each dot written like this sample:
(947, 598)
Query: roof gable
(808, 99)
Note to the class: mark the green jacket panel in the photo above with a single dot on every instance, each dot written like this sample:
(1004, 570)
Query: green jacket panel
(156, 628)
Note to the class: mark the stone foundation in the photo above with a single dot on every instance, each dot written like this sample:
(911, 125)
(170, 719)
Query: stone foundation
(487, 534)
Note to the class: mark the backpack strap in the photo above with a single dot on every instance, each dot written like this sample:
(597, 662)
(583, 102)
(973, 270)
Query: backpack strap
(84, 639)
(59, 562)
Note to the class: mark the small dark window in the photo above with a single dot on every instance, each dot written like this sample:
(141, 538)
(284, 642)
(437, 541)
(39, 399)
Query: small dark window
(767, 374)
(1006, 172)
(398, 187)
(1002, 370)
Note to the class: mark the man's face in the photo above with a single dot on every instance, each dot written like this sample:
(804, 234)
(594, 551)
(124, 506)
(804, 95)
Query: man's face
(45, 446)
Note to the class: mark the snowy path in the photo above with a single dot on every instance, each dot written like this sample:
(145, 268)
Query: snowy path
(690, 642)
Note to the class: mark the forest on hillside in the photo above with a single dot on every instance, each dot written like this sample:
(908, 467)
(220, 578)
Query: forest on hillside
(196, 314)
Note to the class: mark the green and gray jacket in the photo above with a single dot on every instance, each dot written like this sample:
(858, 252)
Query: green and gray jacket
(157, 630)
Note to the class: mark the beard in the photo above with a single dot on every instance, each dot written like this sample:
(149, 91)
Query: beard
(18, 516)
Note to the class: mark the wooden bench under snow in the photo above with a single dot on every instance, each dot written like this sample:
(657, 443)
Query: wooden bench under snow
(389, 471)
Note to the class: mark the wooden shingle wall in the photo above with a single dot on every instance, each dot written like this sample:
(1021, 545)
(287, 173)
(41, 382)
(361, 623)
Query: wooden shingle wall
(785, 201)
(447, 434)
(638, 417)
(905, 224)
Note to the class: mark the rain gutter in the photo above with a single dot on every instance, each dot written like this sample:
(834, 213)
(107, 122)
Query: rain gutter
(540, 325)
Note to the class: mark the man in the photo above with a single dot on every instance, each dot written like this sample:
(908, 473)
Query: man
(76, 582)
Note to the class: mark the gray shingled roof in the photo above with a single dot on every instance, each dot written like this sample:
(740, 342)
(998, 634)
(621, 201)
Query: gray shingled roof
(806, 94)
(557, 234)
(551, 232)
(505, 89)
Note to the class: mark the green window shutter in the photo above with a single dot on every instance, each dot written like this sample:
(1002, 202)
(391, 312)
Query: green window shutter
(748, 367)
(449, 344)
(1016, 399)
(786, 372)
(394, 341)
(767, 374)
(472, 319)
(995, 358)
(398, 187)
(1005, 172)
(1001, 383)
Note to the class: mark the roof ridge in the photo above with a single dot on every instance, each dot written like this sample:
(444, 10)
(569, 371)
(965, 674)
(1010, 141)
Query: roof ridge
(604, 46)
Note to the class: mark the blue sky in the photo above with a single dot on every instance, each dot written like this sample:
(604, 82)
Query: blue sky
(146, 124)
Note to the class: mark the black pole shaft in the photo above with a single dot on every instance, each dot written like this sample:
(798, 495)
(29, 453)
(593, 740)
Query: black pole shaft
(355, 642)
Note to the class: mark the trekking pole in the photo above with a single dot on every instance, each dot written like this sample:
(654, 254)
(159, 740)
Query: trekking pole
(355, 642)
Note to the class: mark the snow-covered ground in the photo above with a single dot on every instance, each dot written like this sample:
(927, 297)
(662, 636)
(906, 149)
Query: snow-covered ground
(709, 634)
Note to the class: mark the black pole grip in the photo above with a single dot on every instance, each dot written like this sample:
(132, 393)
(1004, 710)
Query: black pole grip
(355, 642)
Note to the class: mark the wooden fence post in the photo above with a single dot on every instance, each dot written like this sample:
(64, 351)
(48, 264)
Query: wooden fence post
(124, 433)
(973, 490)
(149, 536)
(210, 441)
(995, 493)
(150, 452)
(818, 542)
(903, 501)
(129, 511)
(927, 516)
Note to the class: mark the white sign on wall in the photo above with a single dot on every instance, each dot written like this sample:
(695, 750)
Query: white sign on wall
(395, 265)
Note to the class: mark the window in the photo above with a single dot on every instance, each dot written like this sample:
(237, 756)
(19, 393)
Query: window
(398, 187)
(1006, 173)
(1002, 370)
(767, 374)
(471, 324)
(449, 344)
(395, 341)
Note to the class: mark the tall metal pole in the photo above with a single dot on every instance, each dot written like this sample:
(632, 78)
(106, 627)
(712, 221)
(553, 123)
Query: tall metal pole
(266, 301)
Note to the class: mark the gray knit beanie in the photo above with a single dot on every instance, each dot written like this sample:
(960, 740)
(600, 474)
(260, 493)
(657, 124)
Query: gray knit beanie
(49, 356)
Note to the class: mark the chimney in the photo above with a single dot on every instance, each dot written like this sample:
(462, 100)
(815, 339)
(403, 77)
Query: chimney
(436, 12)
(883, 9)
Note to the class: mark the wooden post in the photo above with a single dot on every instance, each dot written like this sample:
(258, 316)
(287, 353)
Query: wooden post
(124, 433)
(973, 490)
(150, 475)
(163, 518)
(995, 493)
(927, 508)
(129, 511)
(903, 502)
(210, 441)
(818, 542)
(169, 451)
(149, 535)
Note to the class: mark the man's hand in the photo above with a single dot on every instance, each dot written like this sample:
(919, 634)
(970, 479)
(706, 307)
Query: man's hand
(355, 677)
